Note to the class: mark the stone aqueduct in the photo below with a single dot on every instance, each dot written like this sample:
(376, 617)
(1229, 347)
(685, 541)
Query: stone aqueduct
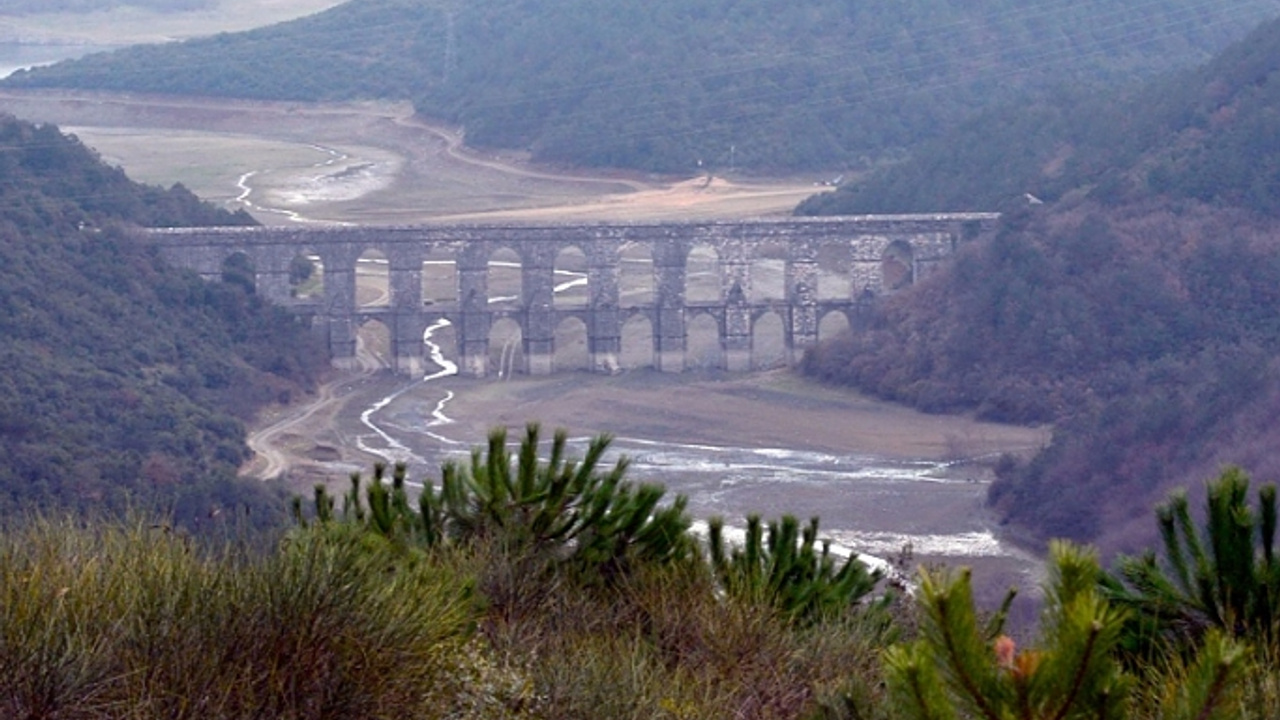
(795, 250)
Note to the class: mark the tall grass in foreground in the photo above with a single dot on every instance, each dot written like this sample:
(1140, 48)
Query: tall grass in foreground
(126, 621)
(359, 616)
(666, 644)
(114, 620)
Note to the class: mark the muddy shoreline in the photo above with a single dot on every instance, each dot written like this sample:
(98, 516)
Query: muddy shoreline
(272, 150)
(775, 412)
(773, 409)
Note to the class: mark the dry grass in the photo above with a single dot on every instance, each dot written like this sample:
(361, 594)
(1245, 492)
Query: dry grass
(665, 645)
(110, 621)
(130, 621)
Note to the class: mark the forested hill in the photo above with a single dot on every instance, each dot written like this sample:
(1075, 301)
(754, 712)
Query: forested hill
(664, 84)
(124, 380)
(1210, 134)
(1137, 312)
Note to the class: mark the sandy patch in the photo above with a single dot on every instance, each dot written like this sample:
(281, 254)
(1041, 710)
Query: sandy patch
(774, 409)
(394, 168)
(766, 410)
(759, 419)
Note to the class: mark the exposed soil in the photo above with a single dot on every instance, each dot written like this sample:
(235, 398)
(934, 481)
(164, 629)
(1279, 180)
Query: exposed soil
(774, 409)
(371, 163)
(425, 173)
(377, 163)
(767, 409)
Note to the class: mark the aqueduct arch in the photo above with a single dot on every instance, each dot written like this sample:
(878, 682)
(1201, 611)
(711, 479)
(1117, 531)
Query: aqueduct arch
(652, 279)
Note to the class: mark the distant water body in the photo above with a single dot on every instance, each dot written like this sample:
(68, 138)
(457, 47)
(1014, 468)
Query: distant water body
(16, 56)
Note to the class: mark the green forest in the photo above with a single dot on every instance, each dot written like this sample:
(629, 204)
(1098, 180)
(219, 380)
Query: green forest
(666, 85)
(1207, 134)
(1134, 308)
(126, 381)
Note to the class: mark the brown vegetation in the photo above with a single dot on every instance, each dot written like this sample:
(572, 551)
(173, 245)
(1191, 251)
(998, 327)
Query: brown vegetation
(1146, 333)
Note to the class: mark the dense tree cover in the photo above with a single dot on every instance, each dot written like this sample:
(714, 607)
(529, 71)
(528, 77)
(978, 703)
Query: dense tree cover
(30, 7)
(1147, 334)
(124, 379)
(1136, 310)
(1208, 134)
(664, 84)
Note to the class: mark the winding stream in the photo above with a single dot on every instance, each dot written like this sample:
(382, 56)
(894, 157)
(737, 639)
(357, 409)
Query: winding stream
(874, 506)
(246, 190)
(868, 505)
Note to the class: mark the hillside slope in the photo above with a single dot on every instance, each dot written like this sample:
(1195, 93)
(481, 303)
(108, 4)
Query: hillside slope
(125, 380)
(676, 86)
(1137, 312)
(1208, 134)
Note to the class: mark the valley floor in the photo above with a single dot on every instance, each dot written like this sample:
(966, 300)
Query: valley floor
(774, 409)
(379, 164)
(371, 163)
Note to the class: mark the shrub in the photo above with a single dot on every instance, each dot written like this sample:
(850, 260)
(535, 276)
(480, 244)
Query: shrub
(563, 511)
(960, 669)
(1222, 575)
(135, 621)
(786, 571)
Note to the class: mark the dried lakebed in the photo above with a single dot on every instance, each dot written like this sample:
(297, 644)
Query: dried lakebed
(880, 477)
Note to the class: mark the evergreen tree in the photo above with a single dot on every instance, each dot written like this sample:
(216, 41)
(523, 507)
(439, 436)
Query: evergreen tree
(961, 668)
(565, 511)
(1222, 575)
(786, 571)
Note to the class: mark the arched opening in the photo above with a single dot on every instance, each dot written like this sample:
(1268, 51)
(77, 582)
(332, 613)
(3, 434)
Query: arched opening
(238, 270)
(439, 278)
(835, 271)
(703, 348)
(570, 289)
(373, 280)
(440, 340)
(833, 324)
(702, 275)
(306, 276)
(571, 351)
(637, 344)
(506, 354)
(505, 279)
(635, 276)
(768, 272)
(897, 266)
(768, 342)
(373, 344)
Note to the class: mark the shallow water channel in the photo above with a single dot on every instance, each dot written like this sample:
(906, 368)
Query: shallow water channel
(874, 506)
